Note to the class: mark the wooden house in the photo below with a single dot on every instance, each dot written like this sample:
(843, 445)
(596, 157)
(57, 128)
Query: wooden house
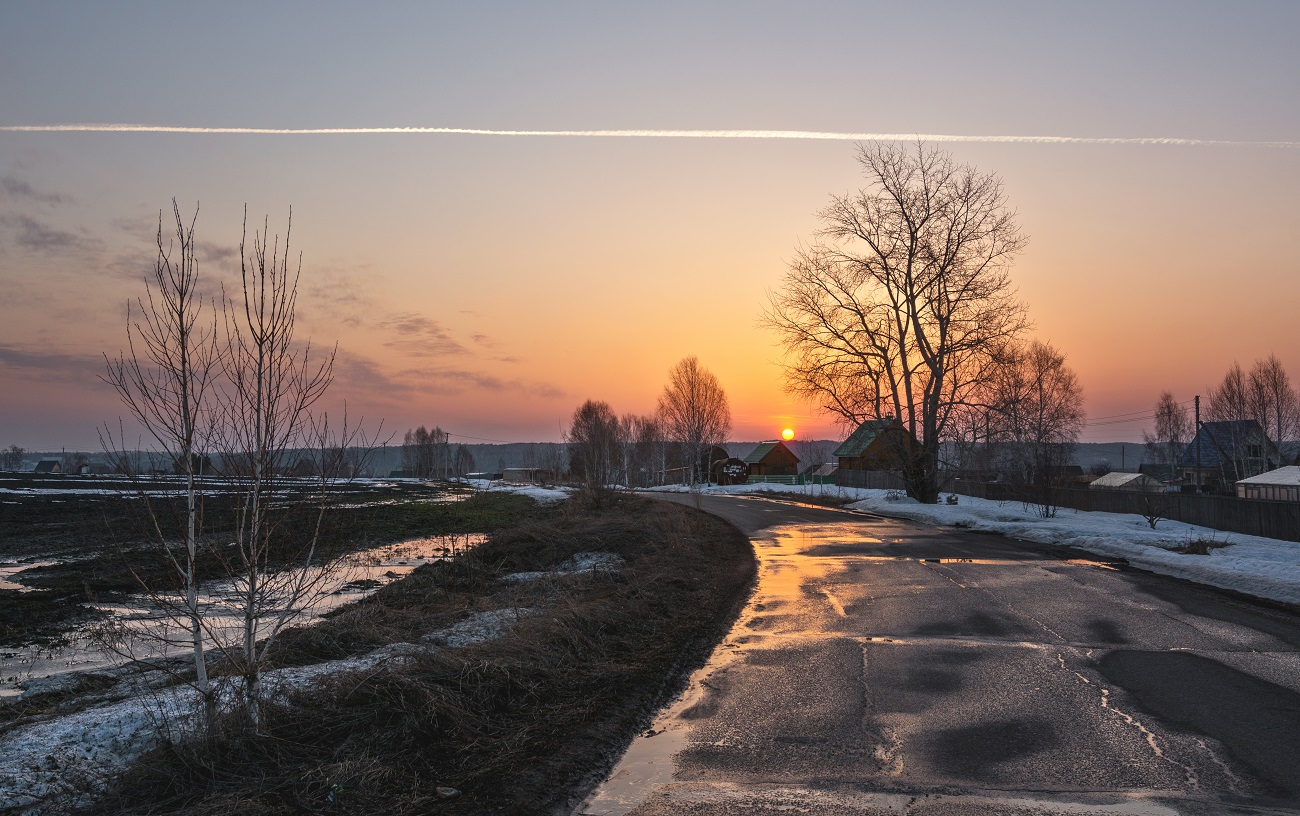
(772, 459)
(877, 444)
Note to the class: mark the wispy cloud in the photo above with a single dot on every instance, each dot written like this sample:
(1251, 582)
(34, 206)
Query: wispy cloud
(44, 364)
(422, 336)
(16, 189)
(32, 234)
(824, 135)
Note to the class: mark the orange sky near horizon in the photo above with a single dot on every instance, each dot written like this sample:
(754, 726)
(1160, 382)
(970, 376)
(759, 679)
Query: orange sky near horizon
(490, 284)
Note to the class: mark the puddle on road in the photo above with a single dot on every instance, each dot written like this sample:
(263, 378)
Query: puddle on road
(784, 571)
(146, 631)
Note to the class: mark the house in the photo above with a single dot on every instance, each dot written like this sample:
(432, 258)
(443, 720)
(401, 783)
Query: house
(877, 444)
(1282, 484)
(49, 466)
(1133, 482)
(772, 459)
(1228, 452)
(528, 475)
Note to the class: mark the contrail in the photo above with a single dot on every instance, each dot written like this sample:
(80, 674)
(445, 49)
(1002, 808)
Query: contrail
(648, 134)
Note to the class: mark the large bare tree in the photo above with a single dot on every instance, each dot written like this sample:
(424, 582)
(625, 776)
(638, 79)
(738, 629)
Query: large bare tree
(166, 379)
(695, 412)
(900, 305)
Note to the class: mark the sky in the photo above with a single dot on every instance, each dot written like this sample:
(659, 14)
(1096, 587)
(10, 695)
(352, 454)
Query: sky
(488, 283)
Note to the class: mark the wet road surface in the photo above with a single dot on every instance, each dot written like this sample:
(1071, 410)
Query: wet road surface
(886, 667)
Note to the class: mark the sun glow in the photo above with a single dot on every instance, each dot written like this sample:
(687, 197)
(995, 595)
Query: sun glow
(787, 434)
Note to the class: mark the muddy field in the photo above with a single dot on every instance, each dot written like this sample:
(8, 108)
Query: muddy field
(70, 544)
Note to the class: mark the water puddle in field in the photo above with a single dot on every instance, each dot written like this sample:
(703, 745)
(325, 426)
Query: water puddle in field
(139, 628)
(9, 570)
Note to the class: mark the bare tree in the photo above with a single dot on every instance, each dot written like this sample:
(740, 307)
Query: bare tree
(11, 458)
(1039, 406)
(694, 411)
(595, 441)
(1272, 400)
(273, 384)
(462, 461)
(1235, 401)
(648, 462)
(426, 454)
(1173, 430)
(166, 379)
(901, 305)
(1230, 399)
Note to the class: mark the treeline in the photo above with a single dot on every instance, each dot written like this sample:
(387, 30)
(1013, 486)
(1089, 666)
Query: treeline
(679, 442)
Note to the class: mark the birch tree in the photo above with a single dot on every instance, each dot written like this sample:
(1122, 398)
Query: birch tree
(695, 411)
(273, 385)
(166, 379)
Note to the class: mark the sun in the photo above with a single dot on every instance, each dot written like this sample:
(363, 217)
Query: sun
(787, 434)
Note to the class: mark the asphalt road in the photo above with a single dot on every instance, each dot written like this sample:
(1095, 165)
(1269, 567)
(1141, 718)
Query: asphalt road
(886, 667)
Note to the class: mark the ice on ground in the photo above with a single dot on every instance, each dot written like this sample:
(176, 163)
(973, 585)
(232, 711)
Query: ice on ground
(582, 563)
(66, 760)
(1265, 568)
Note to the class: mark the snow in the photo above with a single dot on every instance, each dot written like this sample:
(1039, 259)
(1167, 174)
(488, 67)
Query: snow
(583, 563)
(65, 760)
(542, 495)
(1264, 568)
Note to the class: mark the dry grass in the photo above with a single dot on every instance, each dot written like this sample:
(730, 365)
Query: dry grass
(516, 725)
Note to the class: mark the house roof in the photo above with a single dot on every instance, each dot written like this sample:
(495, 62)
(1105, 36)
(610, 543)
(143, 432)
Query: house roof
(1219, 442)
(1116, 479)
(862, 438)
(1288, 476)
(764, 448)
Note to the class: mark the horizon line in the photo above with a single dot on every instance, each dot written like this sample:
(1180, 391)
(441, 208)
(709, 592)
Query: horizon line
(806, 135)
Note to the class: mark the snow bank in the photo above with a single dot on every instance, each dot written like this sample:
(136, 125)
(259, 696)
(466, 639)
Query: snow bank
(1265, 568)
(542, 495)
(66, 760)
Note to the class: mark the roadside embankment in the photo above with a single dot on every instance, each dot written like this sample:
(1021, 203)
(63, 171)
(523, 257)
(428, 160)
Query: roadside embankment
(522, 669)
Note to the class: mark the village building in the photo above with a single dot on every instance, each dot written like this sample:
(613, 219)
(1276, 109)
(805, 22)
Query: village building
(1132, 482)
(49, 466)
(1282, 484)
(877, 444)
(1228, 452)
(772, 459)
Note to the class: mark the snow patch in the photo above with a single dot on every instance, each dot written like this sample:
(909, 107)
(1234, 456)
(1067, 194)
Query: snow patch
(579, 564)
(65, 760)
(1265, 568)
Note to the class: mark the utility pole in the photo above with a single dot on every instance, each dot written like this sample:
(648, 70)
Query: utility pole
(1198, 443)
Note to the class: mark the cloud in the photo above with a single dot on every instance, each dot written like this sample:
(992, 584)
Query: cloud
(359, 374)
(815, 135)
(421, 336)
(16, 189)
(32, 234)
(44, 364)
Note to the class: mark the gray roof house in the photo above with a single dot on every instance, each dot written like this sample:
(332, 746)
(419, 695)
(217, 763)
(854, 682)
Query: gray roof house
(1229, 451)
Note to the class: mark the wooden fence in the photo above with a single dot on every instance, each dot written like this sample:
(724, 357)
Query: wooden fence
(1270, 519)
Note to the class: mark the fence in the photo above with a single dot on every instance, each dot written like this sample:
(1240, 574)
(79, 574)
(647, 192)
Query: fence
(1270, 519)
(872, 479)
(791, 480)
